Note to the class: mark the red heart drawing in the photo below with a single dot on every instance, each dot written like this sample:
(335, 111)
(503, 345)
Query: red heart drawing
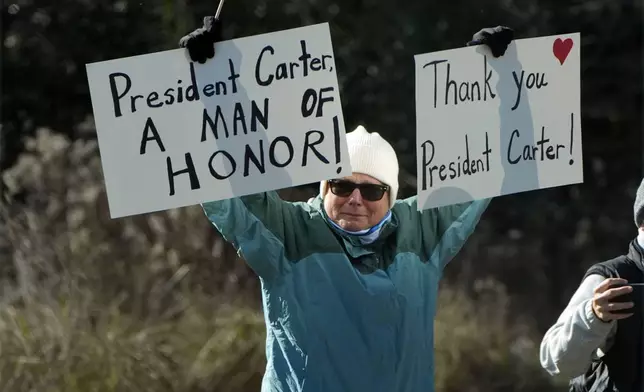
(561, 49)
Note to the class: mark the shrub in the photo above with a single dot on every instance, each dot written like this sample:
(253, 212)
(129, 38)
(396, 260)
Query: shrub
(482, 348)
(160, 303)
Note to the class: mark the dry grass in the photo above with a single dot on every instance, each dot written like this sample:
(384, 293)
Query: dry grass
(159, 302)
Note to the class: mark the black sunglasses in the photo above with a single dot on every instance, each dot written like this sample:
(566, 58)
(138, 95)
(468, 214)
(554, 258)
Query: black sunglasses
(370, 192)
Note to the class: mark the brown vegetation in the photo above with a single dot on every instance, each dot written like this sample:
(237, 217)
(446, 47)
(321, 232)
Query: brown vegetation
(160, 303)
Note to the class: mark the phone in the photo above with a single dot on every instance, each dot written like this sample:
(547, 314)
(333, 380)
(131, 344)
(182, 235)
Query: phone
(637, 293)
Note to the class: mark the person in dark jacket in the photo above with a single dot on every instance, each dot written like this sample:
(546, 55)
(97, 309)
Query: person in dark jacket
(598, 340)
(350, 278)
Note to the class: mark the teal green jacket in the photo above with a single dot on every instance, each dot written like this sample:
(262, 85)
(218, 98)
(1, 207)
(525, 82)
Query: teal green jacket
(342, 316)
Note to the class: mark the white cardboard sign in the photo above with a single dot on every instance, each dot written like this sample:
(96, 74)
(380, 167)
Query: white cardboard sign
(490, 126)
(264, 114)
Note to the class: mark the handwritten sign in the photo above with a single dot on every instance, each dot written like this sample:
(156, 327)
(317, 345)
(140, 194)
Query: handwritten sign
(264, 114)
(491, 126)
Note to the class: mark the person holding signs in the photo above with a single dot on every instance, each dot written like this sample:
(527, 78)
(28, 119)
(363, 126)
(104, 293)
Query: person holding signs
(598, 340)
(350, 278)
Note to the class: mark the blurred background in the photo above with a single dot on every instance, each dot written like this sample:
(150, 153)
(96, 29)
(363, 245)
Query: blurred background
(159, 302)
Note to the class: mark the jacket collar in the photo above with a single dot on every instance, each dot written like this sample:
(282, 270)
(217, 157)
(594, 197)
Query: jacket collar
(352, 243)
(636, 253)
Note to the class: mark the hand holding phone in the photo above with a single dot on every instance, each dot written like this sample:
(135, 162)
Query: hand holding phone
(630, 297)
(614, 299)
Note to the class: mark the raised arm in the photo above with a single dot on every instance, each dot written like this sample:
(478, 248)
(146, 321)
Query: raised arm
(444, 230)
(453, 225)
(263, 228)
(578, 336)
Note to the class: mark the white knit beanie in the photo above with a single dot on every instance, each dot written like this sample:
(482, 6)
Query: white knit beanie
(372, 155)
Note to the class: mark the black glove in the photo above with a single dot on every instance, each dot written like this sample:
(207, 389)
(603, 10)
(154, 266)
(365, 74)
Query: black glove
(496, 38)
(201, 42)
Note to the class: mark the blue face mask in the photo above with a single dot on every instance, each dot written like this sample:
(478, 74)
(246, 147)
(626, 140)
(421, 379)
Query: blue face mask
(366, 236)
